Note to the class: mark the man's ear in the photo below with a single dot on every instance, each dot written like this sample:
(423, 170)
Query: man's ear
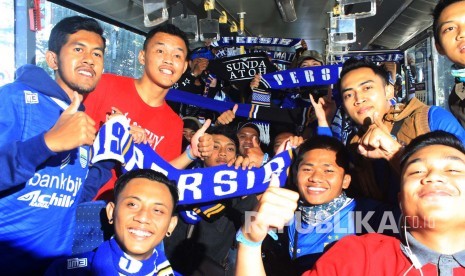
(439, 48)
(141, 57)
(52, 60)
(110, 211)
(173, 223)
(186, 63)
(346, 181)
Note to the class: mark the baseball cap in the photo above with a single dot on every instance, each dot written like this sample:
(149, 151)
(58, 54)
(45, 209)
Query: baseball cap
(262, 128)
(202, 52)
(310, 54)
(192, 123)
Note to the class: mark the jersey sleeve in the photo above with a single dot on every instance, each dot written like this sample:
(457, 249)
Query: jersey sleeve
(441, 119)
(19, 158)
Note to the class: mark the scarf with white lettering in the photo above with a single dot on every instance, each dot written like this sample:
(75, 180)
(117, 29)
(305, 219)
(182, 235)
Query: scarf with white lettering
(257, 41)
(252, 111)
(276, 56)
(195, 186)
(240, 70)
(110, 259)
(297, 77)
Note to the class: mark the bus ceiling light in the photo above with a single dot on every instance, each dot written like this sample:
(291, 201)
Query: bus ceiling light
(342, 30)
(357, 8)
(155, 12)
(209, 28)
(188, 24)
(286, 9)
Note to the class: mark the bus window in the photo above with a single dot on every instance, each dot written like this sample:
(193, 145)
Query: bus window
(122, 47)
(7, 36)
(443, 79)
(419, 62)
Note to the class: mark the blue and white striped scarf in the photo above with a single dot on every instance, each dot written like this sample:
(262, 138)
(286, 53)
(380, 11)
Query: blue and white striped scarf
(195, 186)
(297, 77)
(257, 41)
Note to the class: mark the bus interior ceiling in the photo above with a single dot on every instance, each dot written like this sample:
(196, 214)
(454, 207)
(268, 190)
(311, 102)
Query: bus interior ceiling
(396, 21)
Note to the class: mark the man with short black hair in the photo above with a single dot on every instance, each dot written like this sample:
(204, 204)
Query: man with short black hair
(44, 148)
(164, 56)
(432, 199)
(143, 213)
(383, 128)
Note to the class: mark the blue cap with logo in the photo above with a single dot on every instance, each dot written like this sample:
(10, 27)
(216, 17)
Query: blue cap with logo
(202, 52)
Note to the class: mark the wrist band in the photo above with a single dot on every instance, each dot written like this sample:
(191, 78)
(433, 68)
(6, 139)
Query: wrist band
(188, 151)
(265, 159)
(242, 239)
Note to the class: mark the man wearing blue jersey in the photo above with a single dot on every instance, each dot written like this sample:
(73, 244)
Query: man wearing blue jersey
(44, 148)
(142, 215)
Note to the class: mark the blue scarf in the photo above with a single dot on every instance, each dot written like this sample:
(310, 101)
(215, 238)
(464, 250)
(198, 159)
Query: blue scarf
(315, 214)
(257, 41)
(323, 225)
(195, 186)
(342, 127)
(240, 70)
(251, 111)
(297, 77)
(276, 56)
(109, 259)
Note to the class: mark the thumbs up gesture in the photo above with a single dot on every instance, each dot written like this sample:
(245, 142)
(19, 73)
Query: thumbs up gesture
(275, 208)
(228, 116)
(201, 142)
(255, 153)
(73, 129)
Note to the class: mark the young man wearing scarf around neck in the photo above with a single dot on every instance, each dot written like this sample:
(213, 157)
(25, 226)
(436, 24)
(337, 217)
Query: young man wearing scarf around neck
(325, 213)
(142, 215)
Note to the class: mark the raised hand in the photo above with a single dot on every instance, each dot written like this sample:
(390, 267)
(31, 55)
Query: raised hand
(199, 66)
(255, 81)
(325, 108)
(228, 116)
(201, 142)
(73, 129)
(255, 153)
(377, 141)
(291, 142)
(275, 208)
(242, 162)
(114, 112)
(138, 134)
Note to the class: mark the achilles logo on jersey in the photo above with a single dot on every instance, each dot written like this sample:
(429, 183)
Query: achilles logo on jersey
(37, 199)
